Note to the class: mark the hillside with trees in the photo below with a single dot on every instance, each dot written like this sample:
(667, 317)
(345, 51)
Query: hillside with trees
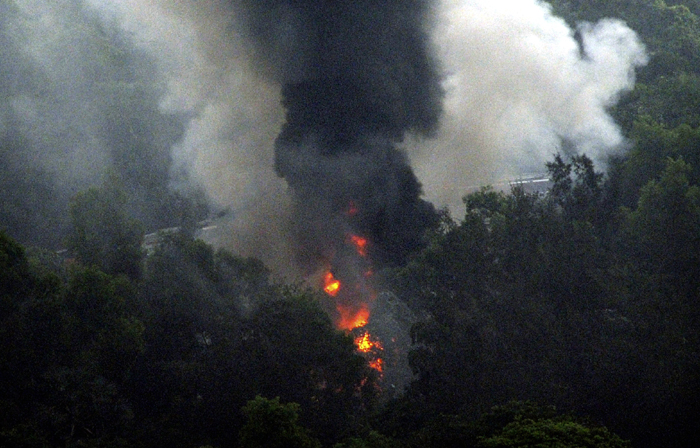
(569, 318)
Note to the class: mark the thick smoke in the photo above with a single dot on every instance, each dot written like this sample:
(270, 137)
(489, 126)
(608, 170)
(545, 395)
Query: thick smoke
(519, 84)
(353, 79)
(301, 116)
(234, 115)
(356, 76)
(291, 111)
(78, 103)
(57, 116)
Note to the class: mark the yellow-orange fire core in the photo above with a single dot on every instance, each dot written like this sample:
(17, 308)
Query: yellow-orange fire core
(371, 347)
(365, 344)
(331, 285)
(351, 317)
(377, 364)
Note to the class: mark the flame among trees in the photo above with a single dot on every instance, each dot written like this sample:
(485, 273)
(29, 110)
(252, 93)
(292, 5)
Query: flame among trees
(352, 300)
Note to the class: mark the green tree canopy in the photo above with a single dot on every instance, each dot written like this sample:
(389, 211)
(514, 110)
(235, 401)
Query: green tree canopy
(102, 233)
(274, 425)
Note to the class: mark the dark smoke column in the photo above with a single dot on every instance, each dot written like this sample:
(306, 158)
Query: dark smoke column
(357, 76)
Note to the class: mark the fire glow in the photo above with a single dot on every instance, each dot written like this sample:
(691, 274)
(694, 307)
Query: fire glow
(365, 343)
(372, 349)
(360, 244)
(331, 285)
(352, 209)
(351, 318)
(352, 315)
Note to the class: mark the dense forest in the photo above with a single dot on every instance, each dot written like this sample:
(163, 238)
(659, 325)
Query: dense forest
(565, 318)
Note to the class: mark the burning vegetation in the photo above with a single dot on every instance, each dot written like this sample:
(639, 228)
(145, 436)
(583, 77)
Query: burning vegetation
(353, 296)
(356, 78)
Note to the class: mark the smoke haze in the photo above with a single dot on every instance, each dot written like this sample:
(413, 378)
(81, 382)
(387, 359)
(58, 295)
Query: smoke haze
(518, 86)
(356, 78)
(234, 116)
(246, 92)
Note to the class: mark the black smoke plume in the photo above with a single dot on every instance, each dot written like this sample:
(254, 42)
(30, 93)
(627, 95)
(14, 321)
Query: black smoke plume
(357, 77)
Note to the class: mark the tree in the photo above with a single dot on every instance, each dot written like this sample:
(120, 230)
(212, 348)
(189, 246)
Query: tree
(580, 195)
(654, 143)
(552, 433)
(372, 440)
(274, 425)
(14, 274)
(290, 349)
(665, 229)
(102, 234)
(661, 249)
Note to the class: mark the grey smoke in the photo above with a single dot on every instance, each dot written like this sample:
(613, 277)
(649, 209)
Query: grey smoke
(235, 115)
(78, 102)
(294, 111)
(516, 85)
(62, 129)
(356, 78)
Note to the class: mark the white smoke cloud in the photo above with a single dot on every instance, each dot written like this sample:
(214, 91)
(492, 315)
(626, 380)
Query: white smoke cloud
(518, 84)
(61, 117)
(235, 116)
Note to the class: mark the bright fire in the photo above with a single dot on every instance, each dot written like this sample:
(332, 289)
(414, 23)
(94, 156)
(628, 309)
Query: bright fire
(365, 344)
(377, 364)
(351, 317)
(331, 285)
(372, 349)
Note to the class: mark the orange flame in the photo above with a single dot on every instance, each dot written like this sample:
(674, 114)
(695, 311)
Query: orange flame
(360, 244)
(365, 344)
(352, 317)
(356, 316)
(377, 364)
(331, 285)
(372, 349)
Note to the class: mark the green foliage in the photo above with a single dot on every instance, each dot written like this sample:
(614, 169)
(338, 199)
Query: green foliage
(586, 297)
(14, 271)
(556, 299)
(525, 424)
(105, 99)
(666, 228)
(22, 436)
(294, 352)
(486, 202)
(579, 196)
(103, 235)
(661, 114)
(552, 433)
(372, 440)
(654, 144)
(515, 424)
(274, 425)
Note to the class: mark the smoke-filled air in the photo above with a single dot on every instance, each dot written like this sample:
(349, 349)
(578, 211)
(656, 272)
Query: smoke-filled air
(349, 223)
(326, 133)
(520, 86)
(288, 114)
